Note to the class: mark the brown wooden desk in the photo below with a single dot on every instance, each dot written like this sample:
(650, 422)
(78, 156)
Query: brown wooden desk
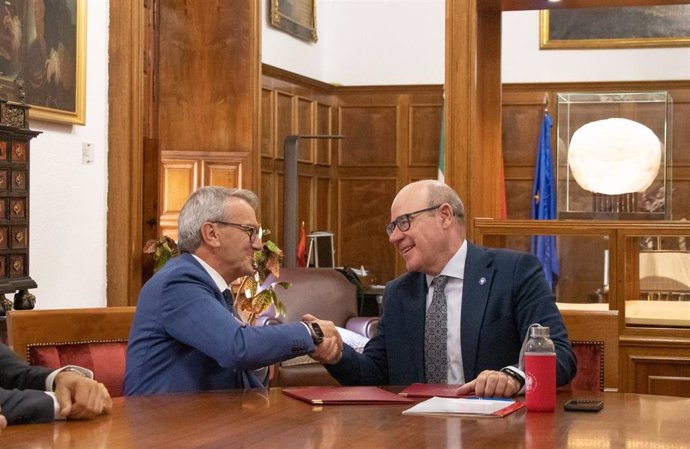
(249, 420)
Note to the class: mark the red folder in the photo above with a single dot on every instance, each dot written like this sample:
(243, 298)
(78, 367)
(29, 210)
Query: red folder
(345, 395)
(430, 390)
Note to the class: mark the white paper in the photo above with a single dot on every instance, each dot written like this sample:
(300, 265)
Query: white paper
(463, 406)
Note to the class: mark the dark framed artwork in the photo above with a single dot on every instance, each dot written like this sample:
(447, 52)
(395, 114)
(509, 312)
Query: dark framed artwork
(630, 27)
(295, 17)
(43, 46)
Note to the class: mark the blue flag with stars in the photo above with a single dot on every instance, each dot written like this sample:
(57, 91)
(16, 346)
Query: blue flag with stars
(544, 203)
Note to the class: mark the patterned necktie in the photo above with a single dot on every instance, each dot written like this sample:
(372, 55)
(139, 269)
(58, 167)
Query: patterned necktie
(436, 335)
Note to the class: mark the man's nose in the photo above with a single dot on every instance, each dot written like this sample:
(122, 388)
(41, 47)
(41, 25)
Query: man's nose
(396, 235)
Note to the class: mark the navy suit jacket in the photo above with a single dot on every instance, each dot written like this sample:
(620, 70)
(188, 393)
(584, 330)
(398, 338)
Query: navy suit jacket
(22, 390)
(185, 338)
(503, 293)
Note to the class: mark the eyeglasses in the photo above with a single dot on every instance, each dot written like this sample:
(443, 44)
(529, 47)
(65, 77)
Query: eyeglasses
(403, 221)
(252, 231)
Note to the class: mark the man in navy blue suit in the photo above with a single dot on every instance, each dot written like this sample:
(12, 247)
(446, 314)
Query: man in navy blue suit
(184, 335)
(34, 394)
(492, 297)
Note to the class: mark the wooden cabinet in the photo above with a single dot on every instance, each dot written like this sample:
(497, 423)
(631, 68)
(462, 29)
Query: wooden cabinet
(621, 280)
(15, 137)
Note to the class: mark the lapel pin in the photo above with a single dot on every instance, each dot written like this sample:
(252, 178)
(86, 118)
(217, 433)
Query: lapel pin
(482, 281)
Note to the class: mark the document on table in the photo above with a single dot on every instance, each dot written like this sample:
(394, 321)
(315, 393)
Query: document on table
(476, 407)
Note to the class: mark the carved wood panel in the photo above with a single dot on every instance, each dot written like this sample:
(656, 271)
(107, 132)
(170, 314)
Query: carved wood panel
(657, 370)
(267, 120)
(284, 118)
(185, 171)
(364, 205)
(425, 134)
(371, 135)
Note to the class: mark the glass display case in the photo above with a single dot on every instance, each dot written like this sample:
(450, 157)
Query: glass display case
(608, 266)
(613, 156)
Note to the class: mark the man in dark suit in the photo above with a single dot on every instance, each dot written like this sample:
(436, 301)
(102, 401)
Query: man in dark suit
(491, 298)
(184, 335)
(33, 394)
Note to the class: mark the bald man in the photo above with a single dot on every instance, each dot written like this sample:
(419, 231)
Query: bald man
(491, 298)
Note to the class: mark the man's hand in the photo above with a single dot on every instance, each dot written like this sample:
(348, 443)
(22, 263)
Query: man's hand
(79, 397)
(328, 352)
(494, 384)
(3, 421)
(331, 349)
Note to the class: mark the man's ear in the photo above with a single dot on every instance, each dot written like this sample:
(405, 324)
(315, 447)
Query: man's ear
(209, 234)
(446, 213)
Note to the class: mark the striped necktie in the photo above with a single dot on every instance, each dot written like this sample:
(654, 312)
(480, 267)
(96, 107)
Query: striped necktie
(436, 334)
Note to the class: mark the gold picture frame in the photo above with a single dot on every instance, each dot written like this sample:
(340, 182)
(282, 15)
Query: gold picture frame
(45, 50)
(295, 17)
(630, 27)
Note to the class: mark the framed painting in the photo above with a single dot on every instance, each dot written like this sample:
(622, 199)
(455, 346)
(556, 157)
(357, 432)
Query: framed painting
(295, 17)
(43, 47)
(630, 27)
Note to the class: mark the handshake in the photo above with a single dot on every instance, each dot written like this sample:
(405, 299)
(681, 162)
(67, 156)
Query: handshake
(330, 350)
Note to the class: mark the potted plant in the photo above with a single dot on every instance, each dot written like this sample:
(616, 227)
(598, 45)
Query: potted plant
(256, 292)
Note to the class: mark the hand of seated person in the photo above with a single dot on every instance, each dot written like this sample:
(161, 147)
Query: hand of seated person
(3, 421)
(491, 384)
(79, 397)
(328, 352)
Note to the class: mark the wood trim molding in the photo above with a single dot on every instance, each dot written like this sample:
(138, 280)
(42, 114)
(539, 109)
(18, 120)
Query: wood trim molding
(125, 157)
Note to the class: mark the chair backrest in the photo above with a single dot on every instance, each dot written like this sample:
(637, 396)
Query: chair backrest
(93, 338)
(593, 335)
(322, 292)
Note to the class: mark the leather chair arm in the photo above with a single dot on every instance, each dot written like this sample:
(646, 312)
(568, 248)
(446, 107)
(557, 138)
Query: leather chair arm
(363, 325)
(264, 320)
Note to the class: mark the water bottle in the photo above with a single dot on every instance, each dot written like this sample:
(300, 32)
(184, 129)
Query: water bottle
(540, 371)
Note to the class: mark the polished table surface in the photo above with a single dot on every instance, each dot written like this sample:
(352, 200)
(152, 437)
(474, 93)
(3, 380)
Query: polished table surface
(272, 420)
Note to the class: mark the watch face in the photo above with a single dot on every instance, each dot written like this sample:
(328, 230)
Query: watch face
(318, 333)
(317, 330)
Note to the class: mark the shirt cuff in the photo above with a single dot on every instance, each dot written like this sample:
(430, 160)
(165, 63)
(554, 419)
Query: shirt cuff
(56, 406)
(50, 380)
(517, 374)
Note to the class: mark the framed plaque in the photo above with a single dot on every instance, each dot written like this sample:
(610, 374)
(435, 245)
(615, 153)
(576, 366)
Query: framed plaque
(295, 17)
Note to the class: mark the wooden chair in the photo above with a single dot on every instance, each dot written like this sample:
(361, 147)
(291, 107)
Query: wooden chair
(593, 335)
(92, 338)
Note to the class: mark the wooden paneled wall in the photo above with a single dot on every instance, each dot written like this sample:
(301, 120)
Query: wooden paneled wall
(392, 138)
(346, 186)
(208, 73)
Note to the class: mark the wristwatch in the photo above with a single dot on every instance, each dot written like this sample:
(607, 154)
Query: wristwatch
(316, 332)
(514, 374)
(79, 370)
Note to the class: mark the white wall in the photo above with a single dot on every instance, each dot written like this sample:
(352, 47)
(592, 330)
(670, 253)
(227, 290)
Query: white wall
(523, 62)
(371, 42)
(68, 199)
(365, 42)
(279, 49)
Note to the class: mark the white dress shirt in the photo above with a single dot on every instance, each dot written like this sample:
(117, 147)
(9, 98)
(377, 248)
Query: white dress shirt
(455, 270)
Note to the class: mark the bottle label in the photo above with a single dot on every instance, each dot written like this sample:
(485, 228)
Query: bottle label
(540, 382)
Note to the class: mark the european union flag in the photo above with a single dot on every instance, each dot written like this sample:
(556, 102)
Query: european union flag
(544, 203)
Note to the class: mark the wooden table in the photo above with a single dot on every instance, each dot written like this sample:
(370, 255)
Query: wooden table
(250, 420)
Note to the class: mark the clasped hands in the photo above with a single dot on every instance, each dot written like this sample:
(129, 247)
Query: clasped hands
(80, 397)
(331, 349)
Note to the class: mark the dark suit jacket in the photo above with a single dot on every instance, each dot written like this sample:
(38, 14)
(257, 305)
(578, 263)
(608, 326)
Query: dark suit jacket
(22, 395)
(185, 338)
(496, 313)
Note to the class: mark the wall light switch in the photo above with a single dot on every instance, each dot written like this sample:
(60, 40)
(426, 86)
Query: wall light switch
(87, 153)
